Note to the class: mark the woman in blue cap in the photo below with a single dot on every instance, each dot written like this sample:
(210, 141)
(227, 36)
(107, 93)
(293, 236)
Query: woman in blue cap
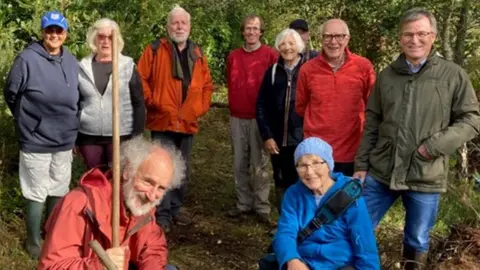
(42, 93)
(347, 241)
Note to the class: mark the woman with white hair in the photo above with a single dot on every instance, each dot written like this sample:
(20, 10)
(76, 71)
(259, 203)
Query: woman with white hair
(94, 139)
(280, 126)
(342, 236)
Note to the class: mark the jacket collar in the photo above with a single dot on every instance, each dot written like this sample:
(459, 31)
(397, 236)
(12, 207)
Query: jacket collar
(339, 180)
(400, 64)
(347, 56)
(281, 62)
(86, 64)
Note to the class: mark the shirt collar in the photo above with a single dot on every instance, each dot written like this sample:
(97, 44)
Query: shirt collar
(254, 49)
(415, 69)
(292, 67)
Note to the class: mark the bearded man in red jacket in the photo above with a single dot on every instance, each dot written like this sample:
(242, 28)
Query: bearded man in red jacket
(245, 69)
(332, 94)
(149, 170)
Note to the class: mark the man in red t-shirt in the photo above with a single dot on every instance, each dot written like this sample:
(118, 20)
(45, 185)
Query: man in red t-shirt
(332, 93)
(245, 69)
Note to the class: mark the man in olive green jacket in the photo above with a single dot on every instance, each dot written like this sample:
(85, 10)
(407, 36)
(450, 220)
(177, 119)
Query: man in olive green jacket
(421, 110)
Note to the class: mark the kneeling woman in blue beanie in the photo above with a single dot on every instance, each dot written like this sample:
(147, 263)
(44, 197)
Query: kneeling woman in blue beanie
(348, 241)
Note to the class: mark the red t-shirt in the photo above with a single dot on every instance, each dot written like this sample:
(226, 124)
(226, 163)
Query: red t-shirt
(245, 71)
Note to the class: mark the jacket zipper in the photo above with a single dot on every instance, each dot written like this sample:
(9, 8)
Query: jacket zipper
(287, 108)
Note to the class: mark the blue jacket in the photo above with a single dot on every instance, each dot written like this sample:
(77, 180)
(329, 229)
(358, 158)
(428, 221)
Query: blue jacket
(276, 106)
(349, 240)
(42, 94)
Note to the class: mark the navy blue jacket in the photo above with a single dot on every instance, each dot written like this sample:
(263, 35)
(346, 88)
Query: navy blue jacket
(272, 113)
(42, 94)
(347, 241)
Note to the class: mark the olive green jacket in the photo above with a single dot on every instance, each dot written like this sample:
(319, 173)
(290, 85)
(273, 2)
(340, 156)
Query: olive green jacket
(436, 106)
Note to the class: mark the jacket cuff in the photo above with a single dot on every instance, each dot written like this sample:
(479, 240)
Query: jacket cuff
(431, 149)
(267, 135)
(360, 167)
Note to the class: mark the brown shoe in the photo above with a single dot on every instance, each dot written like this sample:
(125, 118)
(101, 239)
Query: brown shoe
(264, 218)
(235, 212)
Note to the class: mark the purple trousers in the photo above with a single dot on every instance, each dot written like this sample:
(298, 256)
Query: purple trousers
(96, 154)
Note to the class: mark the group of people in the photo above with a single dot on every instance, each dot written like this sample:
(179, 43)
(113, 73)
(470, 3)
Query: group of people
(322, 117)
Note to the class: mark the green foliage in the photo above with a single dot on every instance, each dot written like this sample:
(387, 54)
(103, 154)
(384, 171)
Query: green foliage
(216, 24)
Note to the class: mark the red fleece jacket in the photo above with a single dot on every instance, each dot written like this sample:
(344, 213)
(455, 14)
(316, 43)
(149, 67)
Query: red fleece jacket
(245, 71)
(333, 104)
(84, 214)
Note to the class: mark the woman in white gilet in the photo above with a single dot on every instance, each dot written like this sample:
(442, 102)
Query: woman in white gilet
(94, 139)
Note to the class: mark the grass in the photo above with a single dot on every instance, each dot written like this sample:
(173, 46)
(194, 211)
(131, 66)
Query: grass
(215, 241)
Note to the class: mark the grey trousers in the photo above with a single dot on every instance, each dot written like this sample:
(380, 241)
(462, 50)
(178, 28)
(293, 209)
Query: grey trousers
(252, 189)
(173, 200)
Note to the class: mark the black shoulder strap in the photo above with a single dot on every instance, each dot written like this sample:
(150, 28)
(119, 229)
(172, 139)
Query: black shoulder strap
(333, 208)
(155, 45)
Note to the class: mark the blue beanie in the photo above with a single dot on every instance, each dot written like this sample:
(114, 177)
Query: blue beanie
(315, 146)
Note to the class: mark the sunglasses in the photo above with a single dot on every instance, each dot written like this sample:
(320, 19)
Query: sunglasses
(54, 30)
(104, 37)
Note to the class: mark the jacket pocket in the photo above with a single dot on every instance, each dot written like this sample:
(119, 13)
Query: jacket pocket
(192, 108)
(381, 157)
(445, 105)
(56, 130)
(426, 171)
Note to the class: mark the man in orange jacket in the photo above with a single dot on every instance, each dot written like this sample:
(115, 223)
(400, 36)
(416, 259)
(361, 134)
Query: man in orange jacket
(149, 170)
(177, 87)
(332, 94)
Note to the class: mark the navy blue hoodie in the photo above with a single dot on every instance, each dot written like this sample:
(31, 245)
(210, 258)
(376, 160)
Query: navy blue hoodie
(42, 94)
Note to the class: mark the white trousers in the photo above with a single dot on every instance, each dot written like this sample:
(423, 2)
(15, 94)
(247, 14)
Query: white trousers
(45, 174)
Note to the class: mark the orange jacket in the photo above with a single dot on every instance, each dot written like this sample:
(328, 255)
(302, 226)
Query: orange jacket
(84, 215)
(163, 93)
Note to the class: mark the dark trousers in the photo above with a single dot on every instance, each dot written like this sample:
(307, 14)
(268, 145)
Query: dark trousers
(173, 199)
(96, 154)
(284, 170)
(344, 167)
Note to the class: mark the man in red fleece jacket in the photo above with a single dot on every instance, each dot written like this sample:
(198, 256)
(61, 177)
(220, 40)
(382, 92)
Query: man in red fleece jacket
(332, 94)
(245, 69)
(149, 170)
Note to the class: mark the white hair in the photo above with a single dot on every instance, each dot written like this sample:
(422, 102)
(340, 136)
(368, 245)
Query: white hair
(285, 33)
(322, 27)
(175, 10)
(104, 23)
(133, 153)
(136, 150)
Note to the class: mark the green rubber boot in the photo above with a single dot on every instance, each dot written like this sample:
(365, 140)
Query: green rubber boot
(51, 202)
(33, 220)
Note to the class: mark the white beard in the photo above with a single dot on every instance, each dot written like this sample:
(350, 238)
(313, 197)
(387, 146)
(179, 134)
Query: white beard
(133, 200)
(179, 38)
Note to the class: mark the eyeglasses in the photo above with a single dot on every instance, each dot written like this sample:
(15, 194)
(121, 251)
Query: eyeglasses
(302, 168)
(104, 37)
(338, 37)
(54, 30)
(420, 35)
(252, 29)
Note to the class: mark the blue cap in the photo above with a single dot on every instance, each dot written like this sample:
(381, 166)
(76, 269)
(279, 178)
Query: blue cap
(315, 146)
(54, 18)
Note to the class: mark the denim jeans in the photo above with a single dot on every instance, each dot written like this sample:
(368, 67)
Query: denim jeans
(421, 210)
(170, 267)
